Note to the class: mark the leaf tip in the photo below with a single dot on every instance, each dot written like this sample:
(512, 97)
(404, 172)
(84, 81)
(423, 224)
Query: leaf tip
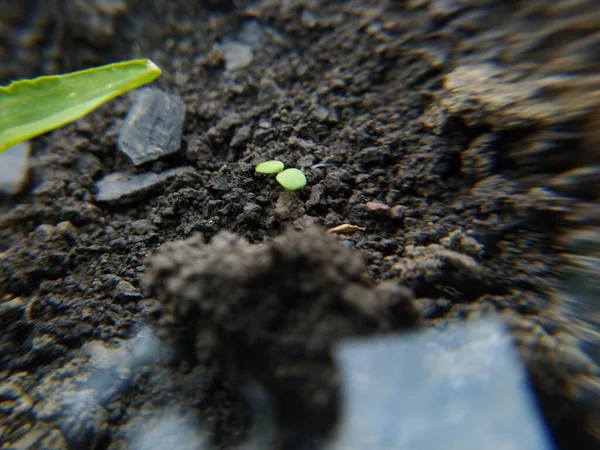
(153, 67)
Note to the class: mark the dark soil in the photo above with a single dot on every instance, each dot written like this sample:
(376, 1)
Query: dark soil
(475, 122)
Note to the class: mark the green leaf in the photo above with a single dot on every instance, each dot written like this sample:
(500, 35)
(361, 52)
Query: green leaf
(270, 167)
(292, 179)
(29, 108)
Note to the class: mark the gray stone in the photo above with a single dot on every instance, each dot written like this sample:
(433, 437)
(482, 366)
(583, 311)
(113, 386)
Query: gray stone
(122, 187)
(237, 55)
(289, 207)
(459, 389)
(241, 136)
(153, 126)
(14, 168)
(253, 34)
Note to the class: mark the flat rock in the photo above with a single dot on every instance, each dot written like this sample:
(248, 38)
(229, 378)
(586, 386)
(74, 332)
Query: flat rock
(153, 126)
(14, 168)
(122, 187)
(463, 388)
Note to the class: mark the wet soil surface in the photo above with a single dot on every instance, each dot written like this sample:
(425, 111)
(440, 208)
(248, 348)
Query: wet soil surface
(458, 137)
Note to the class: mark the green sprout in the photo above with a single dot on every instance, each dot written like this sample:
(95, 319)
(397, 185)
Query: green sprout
(29, 108)
(290, 179)
(270, 167)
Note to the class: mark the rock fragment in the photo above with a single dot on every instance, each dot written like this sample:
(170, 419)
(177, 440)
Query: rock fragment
(462, 388)
(237, 55)
(119, 289)
(14, 168)
(123, 187)
(153, 126)
(241, 136)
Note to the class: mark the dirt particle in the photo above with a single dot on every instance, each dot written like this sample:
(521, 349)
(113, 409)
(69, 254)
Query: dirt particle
(580, 182)
(237, 55)
(14, 168)
(304, 222)
(289, 207)
(398, 213)
(153, 126)
(296, 273)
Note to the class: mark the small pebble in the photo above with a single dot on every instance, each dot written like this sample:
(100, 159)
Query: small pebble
(153, 126)
(14, 168)
(377, 208)
(241, 136)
